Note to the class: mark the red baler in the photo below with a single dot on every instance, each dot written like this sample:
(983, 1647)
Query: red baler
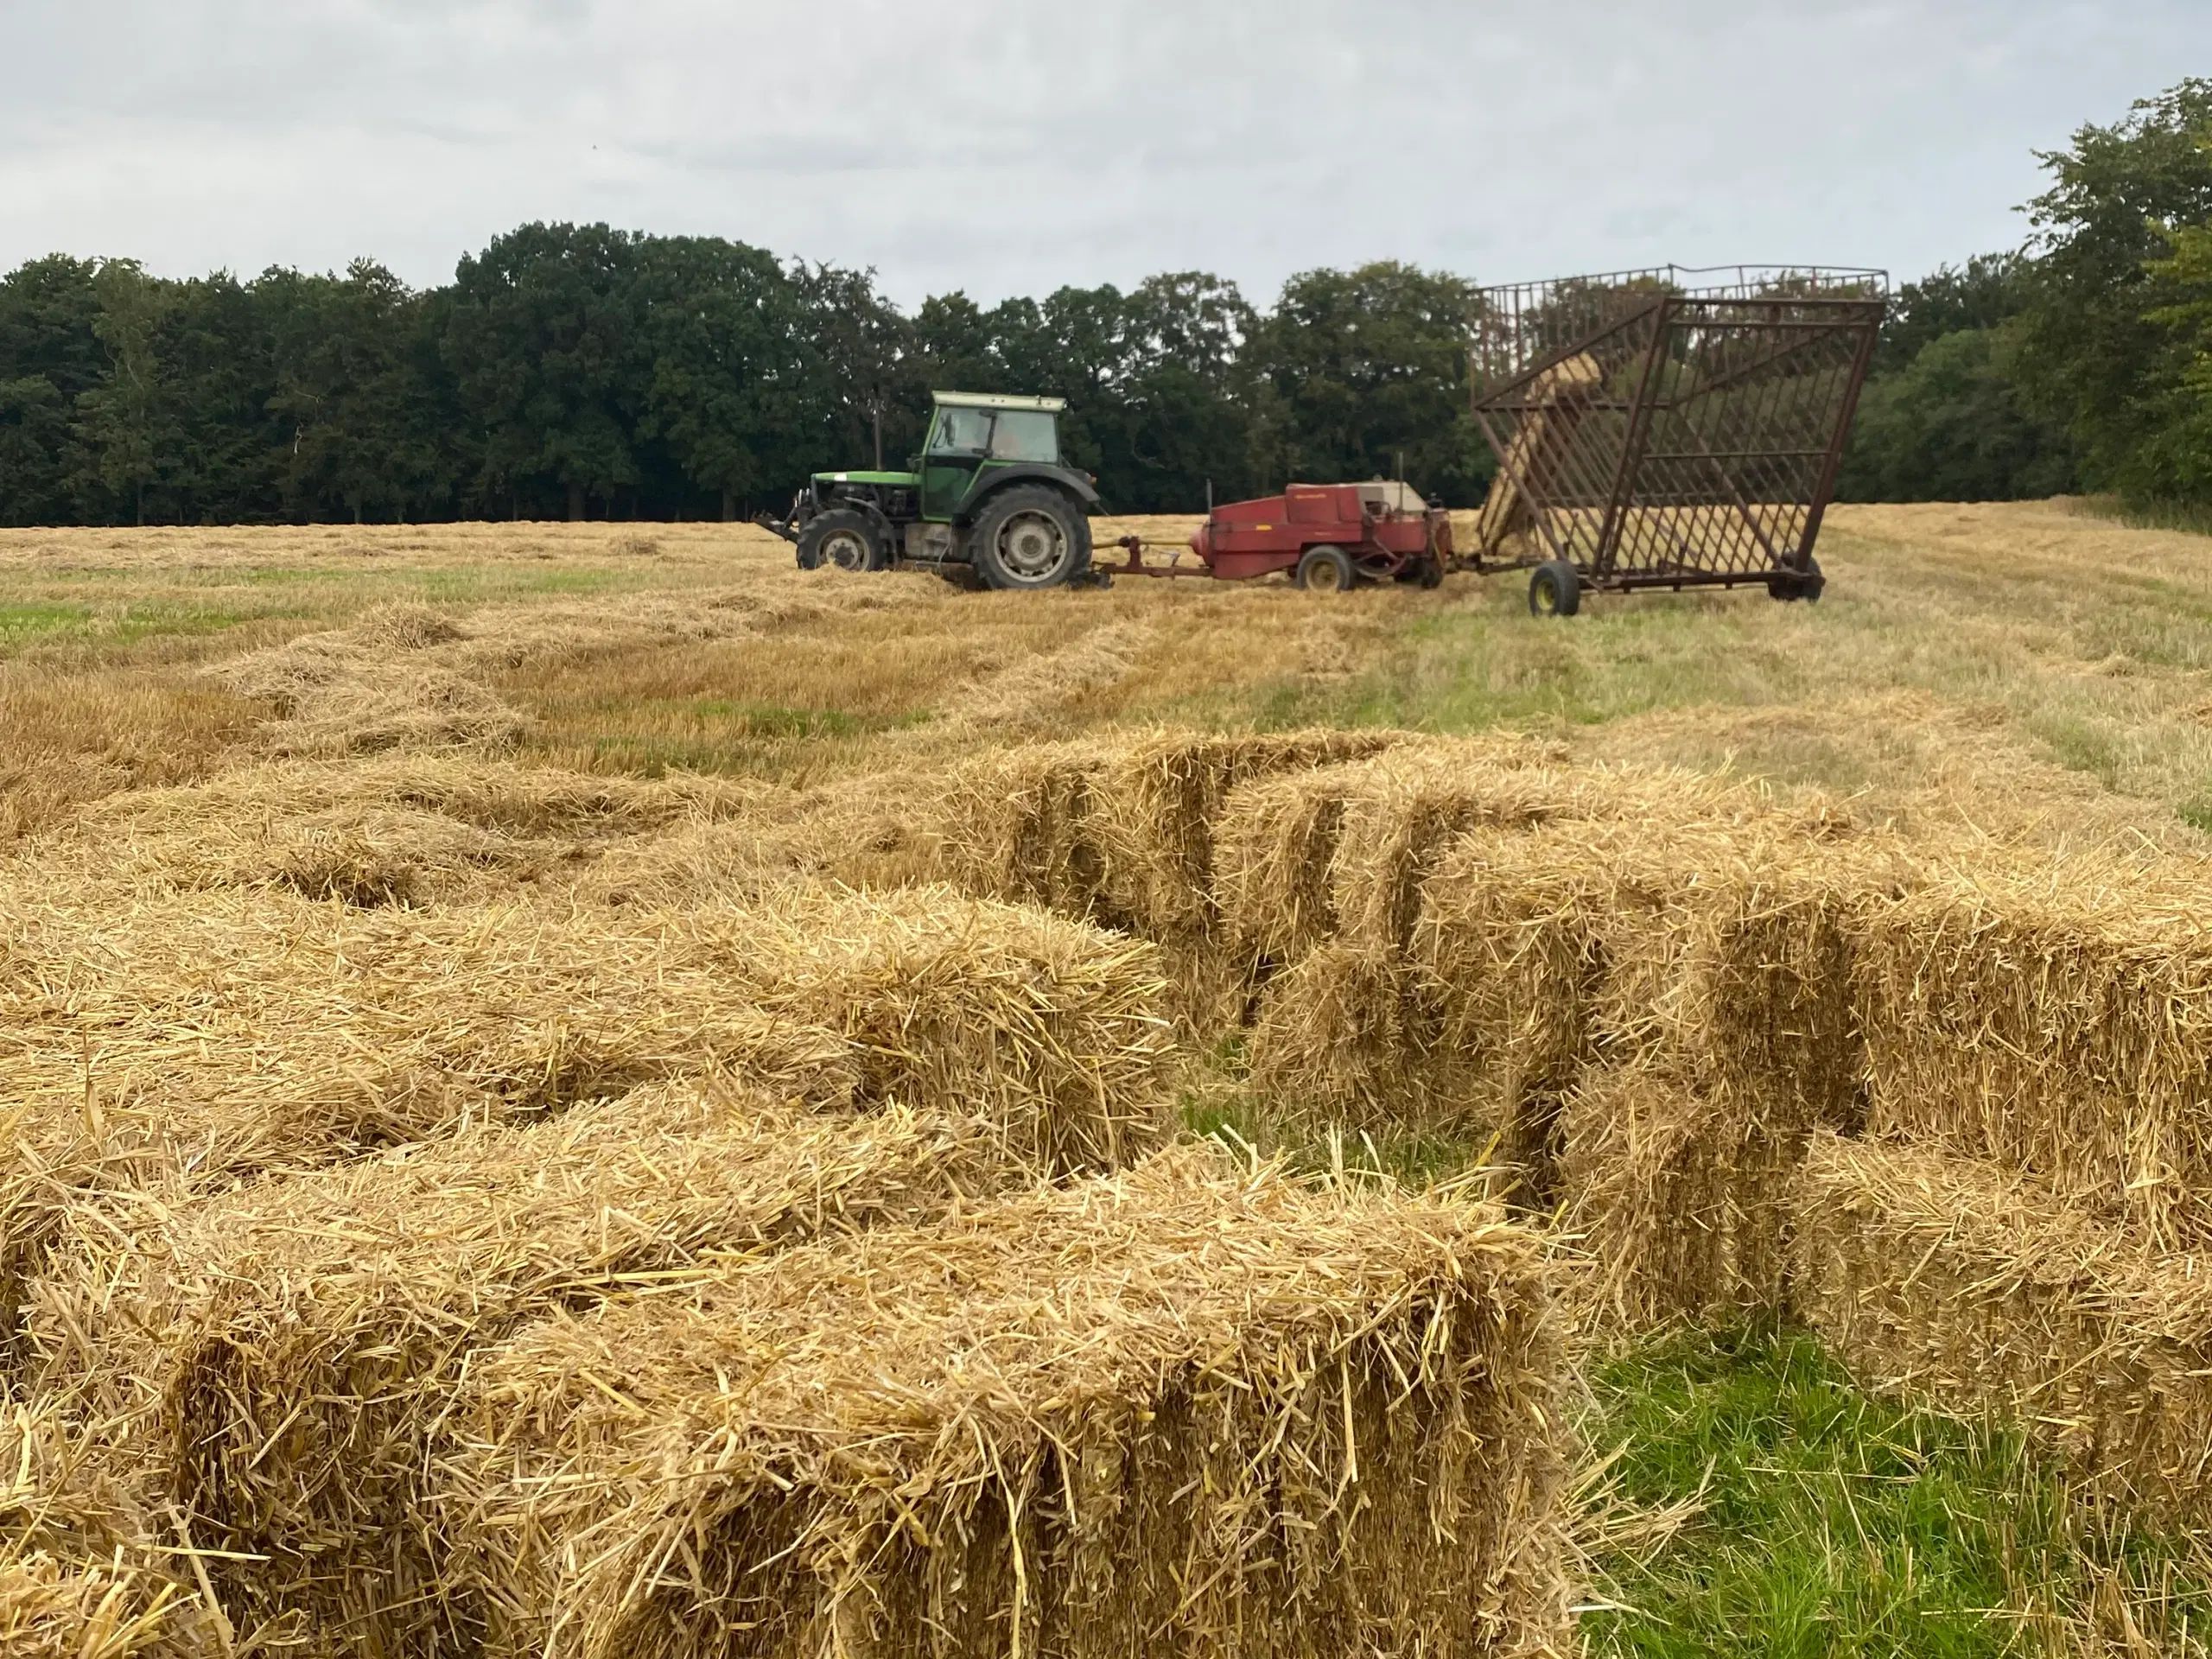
(1327, 535)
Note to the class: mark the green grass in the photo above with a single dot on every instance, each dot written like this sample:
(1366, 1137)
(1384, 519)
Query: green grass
(1825, 1521)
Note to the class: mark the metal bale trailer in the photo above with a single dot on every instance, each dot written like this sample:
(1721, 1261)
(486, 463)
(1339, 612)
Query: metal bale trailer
(1668, 427)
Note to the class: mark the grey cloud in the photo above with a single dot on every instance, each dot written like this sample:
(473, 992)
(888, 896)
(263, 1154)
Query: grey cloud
(1002, 146)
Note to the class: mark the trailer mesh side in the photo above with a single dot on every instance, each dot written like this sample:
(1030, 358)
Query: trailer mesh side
(1656, 431)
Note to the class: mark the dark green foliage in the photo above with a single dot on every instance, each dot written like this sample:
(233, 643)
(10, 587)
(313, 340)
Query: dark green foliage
(2098, 348)
(1948, 426)
(1360, 369)
(1825, 1522)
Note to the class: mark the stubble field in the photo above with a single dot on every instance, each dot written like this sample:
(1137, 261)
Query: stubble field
(576, 1090)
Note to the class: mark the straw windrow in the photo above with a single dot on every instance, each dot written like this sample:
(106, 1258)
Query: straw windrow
(1187, 1409)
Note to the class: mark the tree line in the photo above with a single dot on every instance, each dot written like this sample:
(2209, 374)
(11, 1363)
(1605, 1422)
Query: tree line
(577, 371)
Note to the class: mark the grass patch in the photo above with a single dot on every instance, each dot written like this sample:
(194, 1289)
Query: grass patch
(1823, 1521)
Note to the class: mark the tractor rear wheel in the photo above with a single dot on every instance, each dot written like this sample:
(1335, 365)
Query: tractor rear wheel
(1030, 537)
(1554, 589)
(1324, 570)
(843, 538)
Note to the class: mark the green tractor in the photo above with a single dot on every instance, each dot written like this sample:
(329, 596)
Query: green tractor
(988, 494)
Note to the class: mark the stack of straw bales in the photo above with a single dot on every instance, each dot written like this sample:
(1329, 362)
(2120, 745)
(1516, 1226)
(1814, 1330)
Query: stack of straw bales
(1189, 1408)
(278, 1363)
(210, 1041)
(1121, 831)
(1977, 1287)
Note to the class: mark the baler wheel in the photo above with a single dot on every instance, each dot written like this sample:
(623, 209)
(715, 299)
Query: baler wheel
(1324, 570)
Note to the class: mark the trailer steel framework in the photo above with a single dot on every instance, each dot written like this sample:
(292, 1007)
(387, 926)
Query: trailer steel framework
(1669, 428)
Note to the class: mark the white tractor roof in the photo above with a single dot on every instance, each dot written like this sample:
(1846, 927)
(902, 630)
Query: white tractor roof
(999, 400)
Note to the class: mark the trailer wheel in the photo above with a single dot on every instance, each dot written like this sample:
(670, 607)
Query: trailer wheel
(1554, 589)
(1807, 587)
(1324, 570)
(843, 538)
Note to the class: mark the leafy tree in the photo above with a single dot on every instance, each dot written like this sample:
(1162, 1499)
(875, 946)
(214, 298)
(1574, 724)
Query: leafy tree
(1982, 294)
(2093, 349)
(1949, 427)
(125, 421)
(356, 390)
(546, 340)
(1356, 369)
(726, 327)
(49, 356)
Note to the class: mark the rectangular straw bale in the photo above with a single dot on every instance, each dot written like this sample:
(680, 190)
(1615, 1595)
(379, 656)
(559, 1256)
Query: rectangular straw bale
(1020, 826)
(80, 1570)
(245, 1032)
(1055, 1029)
(1978, 1289)
(1189, 1410)
(1720, 948)
(283, 1357)
(2056, 1016)
(1277, 844)
(1679, 1191)
(1163, 797)
(52, 1609)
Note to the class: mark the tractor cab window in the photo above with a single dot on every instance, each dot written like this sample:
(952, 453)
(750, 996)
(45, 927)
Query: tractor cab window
(1026, 435)
(961, 432)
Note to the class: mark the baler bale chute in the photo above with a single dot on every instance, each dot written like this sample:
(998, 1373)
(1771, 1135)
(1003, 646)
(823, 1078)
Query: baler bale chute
(1668, 427)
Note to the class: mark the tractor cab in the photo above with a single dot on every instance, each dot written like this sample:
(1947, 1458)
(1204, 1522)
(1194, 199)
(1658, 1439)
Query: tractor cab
(973, 434)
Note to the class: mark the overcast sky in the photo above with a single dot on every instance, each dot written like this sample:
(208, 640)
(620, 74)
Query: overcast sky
(1003, 147)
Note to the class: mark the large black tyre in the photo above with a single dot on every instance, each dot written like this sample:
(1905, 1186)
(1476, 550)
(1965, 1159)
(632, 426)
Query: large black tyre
(1324, 570)
(843, 538)
(1028, 536)
(1807, 587)
(1554, 589)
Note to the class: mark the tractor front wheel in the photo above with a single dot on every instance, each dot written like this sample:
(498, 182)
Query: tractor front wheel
(1031, 538)
(1324, 570)
(1554, 589)
(843, 538)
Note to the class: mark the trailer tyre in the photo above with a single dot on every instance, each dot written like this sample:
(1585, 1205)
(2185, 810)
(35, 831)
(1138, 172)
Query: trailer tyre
(1029, 536)
(1807, 587)
(843, 538)
(1554, 589)
(1324, 570)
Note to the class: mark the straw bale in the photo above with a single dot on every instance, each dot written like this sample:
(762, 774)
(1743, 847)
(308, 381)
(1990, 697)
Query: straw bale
(239, 1033)
(1979, 1289)
(1192, 1409)
(1165, 794)
(1679, 1191)
(57, 1609)
(285, 1357)
(1023, 824)
(1721, 949)
(2057, 1015)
